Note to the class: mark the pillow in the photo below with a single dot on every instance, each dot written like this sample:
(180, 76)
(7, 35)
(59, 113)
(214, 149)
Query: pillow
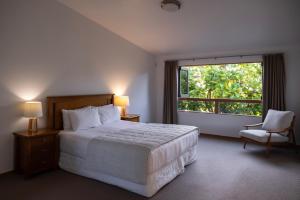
(278, 120)
(66, 120)
(108, 113)
(82, 119)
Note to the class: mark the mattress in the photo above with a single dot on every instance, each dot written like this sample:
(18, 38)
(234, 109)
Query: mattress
(147, 156)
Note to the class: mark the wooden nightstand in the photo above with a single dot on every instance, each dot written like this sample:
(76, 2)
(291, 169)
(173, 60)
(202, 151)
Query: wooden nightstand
(131, 117)
(36, 152)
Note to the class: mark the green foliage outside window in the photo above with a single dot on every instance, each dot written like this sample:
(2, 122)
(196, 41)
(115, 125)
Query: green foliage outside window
(226, 81)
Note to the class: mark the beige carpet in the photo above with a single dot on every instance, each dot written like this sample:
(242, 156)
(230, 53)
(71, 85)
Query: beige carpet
(224, 171)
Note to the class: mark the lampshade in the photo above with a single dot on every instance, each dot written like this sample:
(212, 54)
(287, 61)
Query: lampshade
(33, 109)
(121, 101)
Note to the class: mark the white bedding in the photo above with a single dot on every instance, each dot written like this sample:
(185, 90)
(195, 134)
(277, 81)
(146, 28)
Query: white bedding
(135, 153)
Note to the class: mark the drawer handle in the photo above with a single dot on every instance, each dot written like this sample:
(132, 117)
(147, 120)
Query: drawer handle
(44, 162)
(44, 150)
(44, 140)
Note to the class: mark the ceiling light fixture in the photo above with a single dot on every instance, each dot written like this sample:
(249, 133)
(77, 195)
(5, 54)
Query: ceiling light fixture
(170, 5)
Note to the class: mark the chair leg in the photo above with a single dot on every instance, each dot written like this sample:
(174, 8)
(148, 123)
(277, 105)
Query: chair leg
(295, 146)
(245, 144)
(269, 146)
(294, 142)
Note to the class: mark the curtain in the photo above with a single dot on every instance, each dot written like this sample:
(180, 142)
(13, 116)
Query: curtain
(273, 83)
(170, 93)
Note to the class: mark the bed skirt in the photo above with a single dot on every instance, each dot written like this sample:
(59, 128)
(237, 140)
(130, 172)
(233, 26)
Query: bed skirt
(155, 181)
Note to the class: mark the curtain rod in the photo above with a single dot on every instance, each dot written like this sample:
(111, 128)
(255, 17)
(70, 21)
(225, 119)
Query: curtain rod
(216, 57)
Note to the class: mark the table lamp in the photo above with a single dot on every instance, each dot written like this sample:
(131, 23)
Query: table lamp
(122, 101)
(33, 110)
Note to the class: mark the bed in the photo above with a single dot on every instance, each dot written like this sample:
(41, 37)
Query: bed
(139, 157)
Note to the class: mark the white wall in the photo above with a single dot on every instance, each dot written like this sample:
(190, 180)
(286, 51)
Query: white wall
(229, 125)
(48, 49)
(225, 125)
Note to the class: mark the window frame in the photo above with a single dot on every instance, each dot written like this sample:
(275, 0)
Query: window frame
(217, 101)
(179, 80)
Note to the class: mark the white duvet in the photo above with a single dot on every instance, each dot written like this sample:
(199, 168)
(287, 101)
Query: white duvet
(127, 150)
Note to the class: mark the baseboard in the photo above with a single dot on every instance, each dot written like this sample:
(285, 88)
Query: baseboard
(223, 137)
(201, 135)
(6, 172)
(220, 136)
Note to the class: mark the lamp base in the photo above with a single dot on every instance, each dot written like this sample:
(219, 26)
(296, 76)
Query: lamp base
(32, 125)
(123, 111)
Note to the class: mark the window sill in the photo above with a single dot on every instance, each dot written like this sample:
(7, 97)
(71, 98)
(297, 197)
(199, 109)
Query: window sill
(230, 114)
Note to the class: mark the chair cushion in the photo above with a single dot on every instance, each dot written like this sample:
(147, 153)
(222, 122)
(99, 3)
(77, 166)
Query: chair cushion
(278, 120)
(262, 136)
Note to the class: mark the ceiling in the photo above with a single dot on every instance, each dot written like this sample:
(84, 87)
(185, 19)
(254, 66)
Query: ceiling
(200, 25)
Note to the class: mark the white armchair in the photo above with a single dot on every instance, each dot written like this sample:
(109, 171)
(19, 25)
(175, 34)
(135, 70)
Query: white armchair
(277, 128)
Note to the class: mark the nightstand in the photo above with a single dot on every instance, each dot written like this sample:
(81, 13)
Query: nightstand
(131, 117)
(36, 152)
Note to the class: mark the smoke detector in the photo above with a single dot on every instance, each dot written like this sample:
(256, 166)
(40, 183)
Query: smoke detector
(170, 5)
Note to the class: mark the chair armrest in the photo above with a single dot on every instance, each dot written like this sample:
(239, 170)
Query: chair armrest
(253, 125)
(278, 131)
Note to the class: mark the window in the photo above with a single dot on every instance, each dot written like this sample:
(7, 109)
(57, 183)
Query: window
(221, 88)
(184, 82)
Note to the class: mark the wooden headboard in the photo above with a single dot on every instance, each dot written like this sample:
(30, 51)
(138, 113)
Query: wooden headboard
(57, 103)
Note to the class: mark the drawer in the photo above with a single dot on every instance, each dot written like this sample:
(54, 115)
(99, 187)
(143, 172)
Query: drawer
(40, 165)
(42, 153)
(42, 143)
(42, 159)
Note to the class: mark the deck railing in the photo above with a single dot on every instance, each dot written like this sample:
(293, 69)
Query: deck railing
(218, 101)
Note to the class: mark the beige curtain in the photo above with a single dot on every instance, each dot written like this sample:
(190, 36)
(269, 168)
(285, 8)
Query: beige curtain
(170, 93)
(273, 83)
